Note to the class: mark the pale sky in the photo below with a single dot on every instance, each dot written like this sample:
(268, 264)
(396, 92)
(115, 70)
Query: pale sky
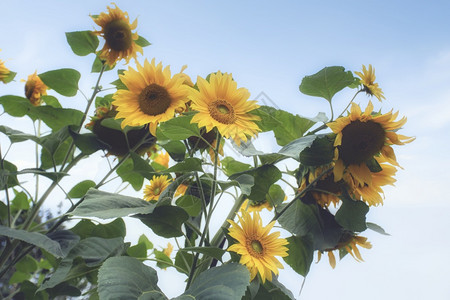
(269, 47)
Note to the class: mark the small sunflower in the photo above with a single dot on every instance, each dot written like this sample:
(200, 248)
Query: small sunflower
(153, 95)
(4, 72)
(167, 251)
(157, 185)
(256, 246)
(120, 42)
(360, 137)
(34, 89)
(162, 159)
(220, 104)
(368, 82)
(349, 245)
(181, 190)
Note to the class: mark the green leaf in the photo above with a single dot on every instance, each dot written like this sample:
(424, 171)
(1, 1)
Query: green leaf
(183, 261)
(373, 165)
(51, 101)
(213, 252)
(127, 173)
(20, 201)
(51, 175)
(105, 205)
(80, 189)
(8, 172)
(82, 42)
(138, 251)
(49, 160)
(88, 143)
(232, 166)
(63, 81)
(143, 239)
(176, 150)
(178, 128)
(56, 118)
(66, 240)
(320, 152)
(127, 278)
(285, 126)
(274, 290)
(98, 65)
(16, 136)
(165, 221)
(163, 260)
(265, 176)
(376, 228)
(300, 255)
(19, 277)
(15, 106)
(34, 238)
(244, 181)
(190, 164)
(191, 204)
(86, 228)
(104, 101)
(327, 82)
(9, 77)
(352, 214)
(142, 42)
(27, 264)
(225, 282)
(294, 148)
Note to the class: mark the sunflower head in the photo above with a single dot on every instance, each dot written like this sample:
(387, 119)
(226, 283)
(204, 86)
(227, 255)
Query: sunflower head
(362, 135)
(118, 142)
(220, 104)
(326, 190)
(120, 41)
(34, 89)
(157, 185)
(256, 246)
(5, 74)
(367, 79)
(153, 95)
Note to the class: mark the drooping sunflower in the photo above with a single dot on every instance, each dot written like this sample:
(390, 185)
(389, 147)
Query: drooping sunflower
(120, 41)
(220, 104)
(34, 89)
(349, 244)
(360, 137)
(157, 185)
(372, 194)
(257, 246)
(368, 82)
(326, 190)
(153, 95)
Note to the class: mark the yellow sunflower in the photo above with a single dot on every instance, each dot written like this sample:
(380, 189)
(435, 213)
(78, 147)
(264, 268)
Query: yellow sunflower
(167, 251)
(34, 89)
(256, 246)
(153, 95)
(120, 42)
(157, 185)
(219, 103)
(181, 190)
(4, 72)
(326, 190)
(368, 82)
(162, 159)
(361, 136)
(349, 245)
(251, 206)
(372, 194)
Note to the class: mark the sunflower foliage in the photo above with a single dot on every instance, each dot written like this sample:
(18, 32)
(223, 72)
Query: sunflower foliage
(165, 139)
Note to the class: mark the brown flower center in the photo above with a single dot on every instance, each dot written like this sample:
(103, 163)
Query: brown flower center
(361, 141)
(222, 111)
(118, 35)
(154, 100)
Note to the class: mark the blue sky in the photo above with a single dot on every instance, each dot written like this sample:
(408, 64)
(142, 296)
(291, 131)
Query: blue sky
(269, 46)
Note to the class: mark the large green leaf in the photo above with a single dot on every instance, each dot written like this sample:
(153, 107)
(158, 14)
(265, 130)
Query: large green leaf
(82, 42)
(128, 174)
(273, 290)
(110, 205)
(142, 42)
(294, 148)
(127, 278)
(266, 175)
(225, 282)
(300, 254)
(37, 171)
(285, 126)
(213, 252)
(176, 150)
(244, 181)
(80, 189)
(178, 128)
(56, 118)
(327, 82)
(86, 228)
(191, 204)
(320, 152)
(88, 143)
(190, 164)
(8, 174)
(232, 166)
(34, 238)
(63, 81)
(15, 106)
(352, 214)
(165, 220)
(16, 136)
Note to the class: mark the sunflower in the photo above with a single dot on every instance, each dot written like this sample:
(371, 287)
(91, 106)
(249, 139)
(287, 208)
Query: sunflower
(120, 42)
(348, 245)
(326, 190)
(368, 82)
(250, 206)
(167, 251)
(34, 89)
(220, 104)
(4, 72)
(256, 246)
(361, 136)
(157, 185)
(372, 194)
(153, 95)
(181, 190)
(162, 159)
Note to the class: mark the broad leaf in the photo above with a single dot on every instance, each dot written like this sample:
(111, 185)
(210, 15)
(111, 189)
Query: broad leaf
(352, 214)
(80, 189)
(82, 42)
(16, 136)
(190, 164)
(327, 82)
(142, 42)
(300, 254)
(178, 128)
(127, 278)
(191, 204)
(110, 205)
(225, 282)
(86, 228)
(294, 148)
(63, 81)
(213, 252)
(376, 228)
(320, 152)
(165, 221)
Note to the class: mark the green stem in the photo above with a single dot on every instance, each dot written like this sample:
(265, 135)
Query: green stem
(348, 105)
